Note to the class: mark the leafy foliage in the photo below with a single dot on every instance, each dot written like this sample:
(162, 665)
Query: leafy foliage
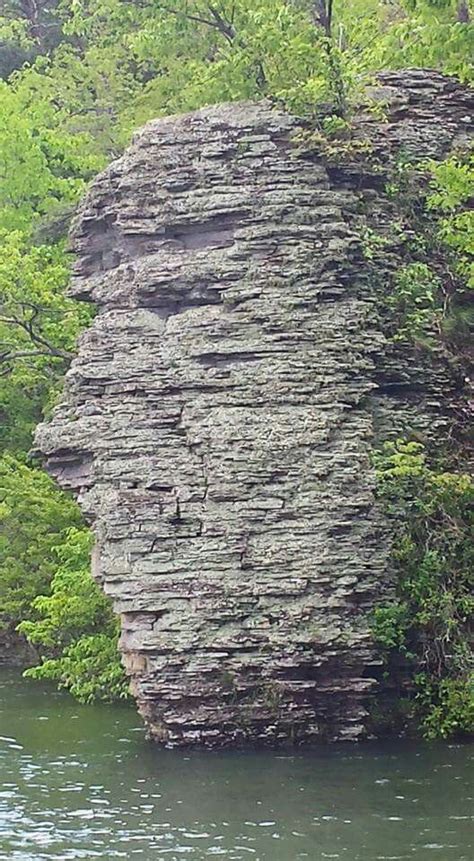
(413, 298)
(42, 166)
(431, 293)
(27, 28)
(452, 194)
(46, 586)
(89, 668)
(429, 623)
(430, 34)
(38, 329)
(76, 625)
(36, 517)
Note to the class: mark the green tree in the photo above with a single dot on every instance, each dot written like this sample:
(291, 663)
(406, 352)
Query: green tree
(27, 28)
(74, 627)
(35, 518)
(46, 589)
(38, 330)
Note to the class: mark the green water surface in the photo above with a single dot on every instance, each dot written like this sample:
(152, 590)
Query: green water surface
(81, 782)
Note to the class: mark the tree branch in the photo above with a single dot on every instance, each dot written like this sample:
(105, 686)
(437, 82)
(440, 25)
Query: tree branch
(217, 22)
(224, 26)
(322, 15)
(8, 357)
(36, 337)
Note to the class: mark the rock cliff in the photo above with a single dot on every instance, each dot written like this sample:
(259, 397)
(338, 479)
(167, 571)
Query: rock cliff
(219, 418)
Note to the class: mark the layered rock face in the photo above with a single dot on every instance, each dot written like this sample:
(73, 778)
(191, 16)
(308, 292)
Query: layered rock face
(219, 418)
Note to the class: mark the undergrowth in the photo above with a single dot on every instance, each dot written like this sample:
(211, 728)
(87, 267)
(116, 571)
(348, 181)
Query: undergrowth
(429, 624)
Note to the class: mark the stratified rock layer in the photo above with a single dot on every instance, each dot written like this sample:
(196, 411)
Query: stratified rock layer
(220, 415)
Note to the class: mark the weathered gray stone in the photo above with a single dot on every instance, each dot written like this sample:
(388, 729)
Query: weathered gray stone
(219, 417)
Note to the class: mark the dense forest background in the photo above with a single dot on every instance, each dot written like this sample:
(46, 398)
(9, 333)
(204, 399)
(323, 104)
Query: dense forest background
(76, 78)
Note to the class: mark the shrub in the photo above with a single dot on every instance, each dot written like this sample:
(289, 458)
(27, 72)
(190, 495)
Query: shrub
(428, 623)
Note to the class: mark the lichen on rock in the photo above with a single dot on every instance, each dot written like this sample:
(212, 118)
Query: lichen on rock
(219, 418)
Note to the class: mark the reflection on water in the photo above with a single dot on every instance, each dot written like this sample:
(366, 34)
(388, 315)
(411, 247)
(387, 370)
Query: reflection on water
(81, 782)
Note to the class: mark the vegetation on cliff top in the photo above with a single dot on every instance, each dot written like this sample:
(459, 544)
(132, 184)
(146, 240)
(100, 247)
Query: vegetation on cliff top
(76, 78)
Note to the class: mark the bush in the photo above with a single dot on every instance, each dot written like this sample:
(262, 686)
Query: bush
(46, 588)
(428, 624)
(75, 628)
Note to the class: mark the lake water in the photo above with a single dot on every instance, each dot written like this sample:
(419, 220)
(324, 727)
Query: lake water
(81, 782)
